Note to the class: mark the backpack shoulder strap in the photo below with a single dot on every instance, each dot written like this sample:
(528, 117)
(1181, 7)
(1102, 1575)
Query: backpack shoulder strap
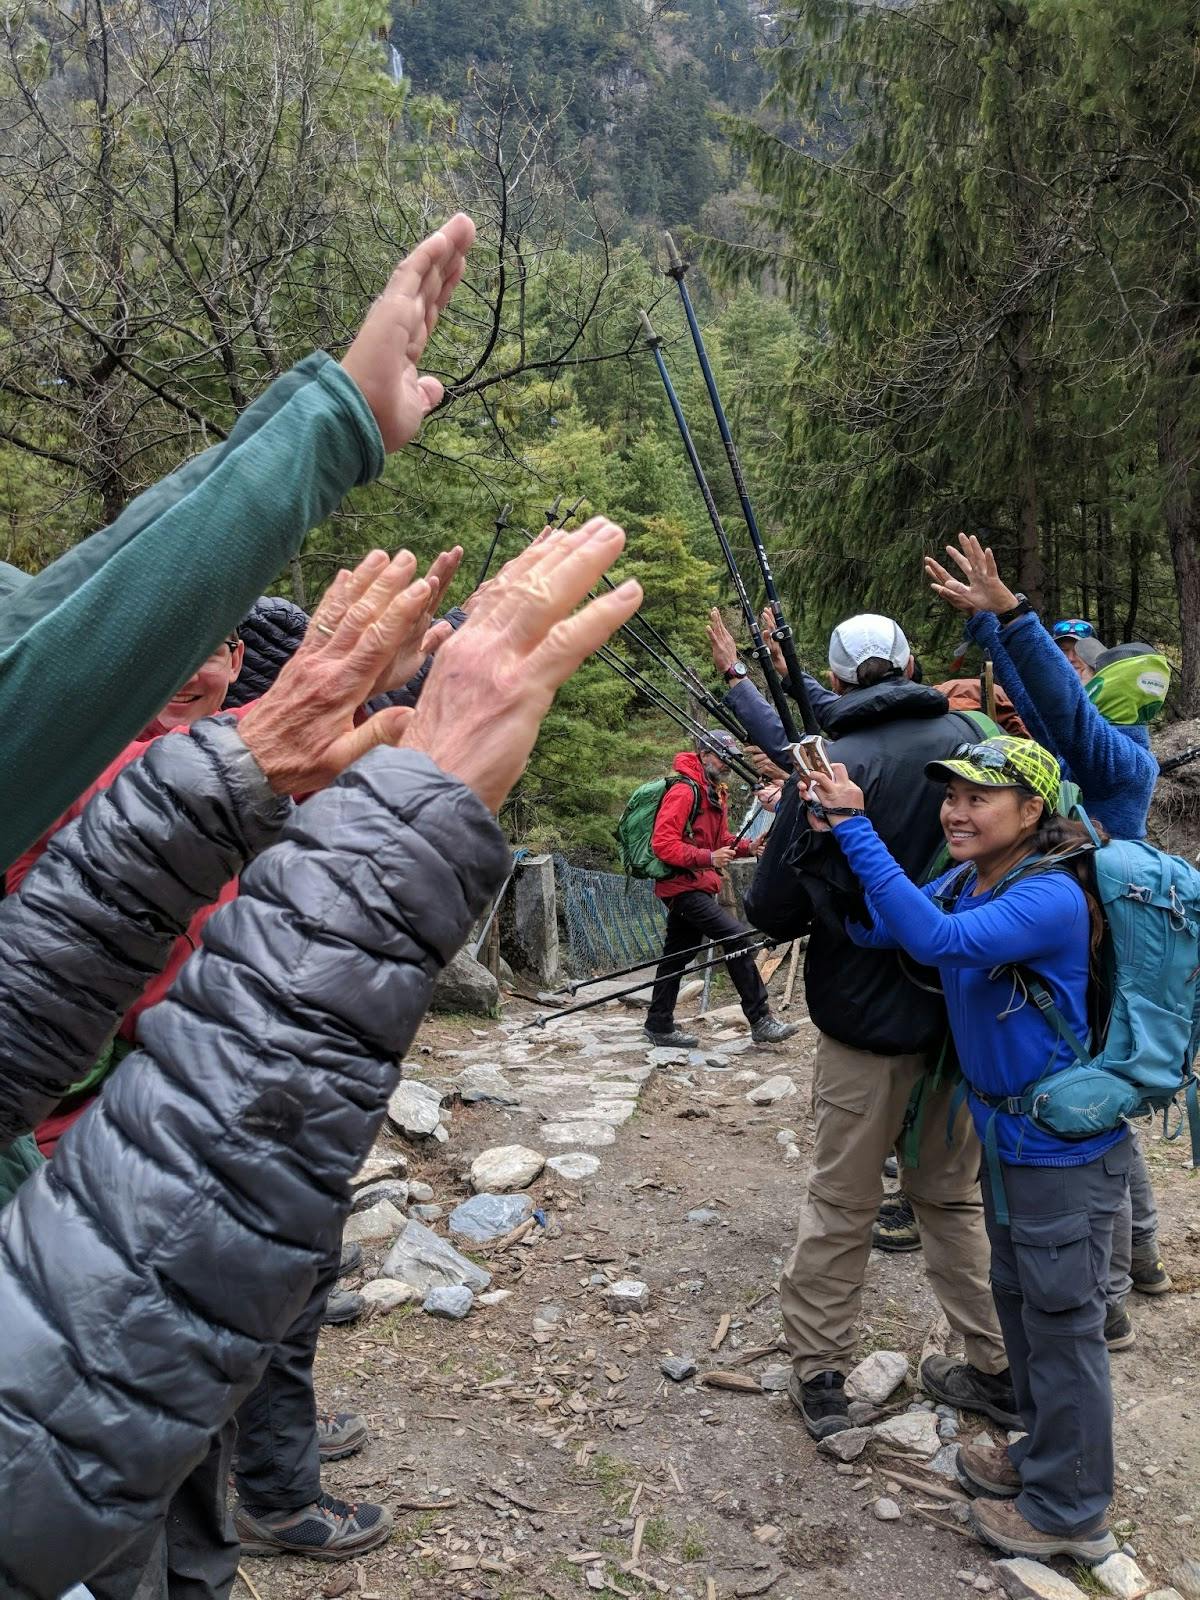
(987, 726)
(681, 777)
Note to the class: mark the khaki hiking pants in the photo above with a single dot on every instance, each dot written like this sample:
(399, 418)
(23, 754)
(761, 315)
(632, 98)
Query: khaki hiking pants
(860, 1100)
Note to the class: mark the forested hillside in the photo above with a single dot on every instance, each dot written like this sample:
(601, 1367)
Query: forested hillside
(950, 279)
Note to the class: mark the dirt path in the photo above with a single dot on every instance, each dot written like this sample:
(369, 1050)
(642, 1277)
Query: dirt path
(513, 1445)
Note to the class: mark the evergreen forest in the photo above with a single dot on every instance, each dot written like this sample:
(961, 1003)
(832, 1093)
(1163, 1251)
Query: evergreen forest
(945, 254)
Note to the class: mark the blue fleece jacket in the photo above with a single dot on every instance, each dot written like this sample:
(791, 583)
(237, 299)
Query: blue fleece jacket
(1112, 765)
(1003, 1044)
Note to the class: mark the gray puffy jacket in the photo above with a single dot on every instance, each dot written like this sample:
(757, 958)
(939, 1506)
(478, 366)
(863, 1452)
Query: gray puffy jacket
(146, 1273)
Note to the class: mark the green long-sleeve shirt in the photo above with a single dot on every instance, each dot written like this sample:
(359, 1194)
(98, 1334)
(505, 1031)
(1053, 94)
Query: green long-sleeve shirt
(94, 646)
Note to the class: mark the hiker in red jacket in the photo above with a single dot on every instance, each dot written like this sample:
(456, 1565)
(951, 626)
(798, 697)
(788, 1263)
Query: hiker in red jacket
(691, 834)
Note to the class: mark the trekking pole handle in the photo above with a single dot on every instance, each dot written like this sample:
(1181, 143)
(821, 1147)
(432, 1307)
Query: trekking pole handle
(676, 265)
(652, 339)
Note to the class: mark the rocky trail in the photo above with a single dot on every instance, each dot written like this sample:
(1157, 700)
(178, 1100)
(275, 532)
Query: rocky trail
(574, 1382)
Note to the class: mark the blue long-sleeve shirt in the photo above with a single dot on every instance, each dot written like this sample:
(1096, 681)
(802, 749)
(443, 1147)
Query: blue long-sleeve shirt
(1004, 1044)
(1112, 765)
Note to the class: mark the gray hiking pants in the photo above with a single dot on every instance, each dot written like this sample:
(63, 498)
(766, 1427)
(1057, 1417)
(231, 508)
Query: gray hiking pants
(1136, 1226)
(1050, 1268)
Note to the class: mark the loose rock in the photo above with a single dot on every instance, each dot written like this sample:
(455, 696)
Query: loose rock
(394, 1190)
(428, 1213)
(703, 1217)
(575, 1166)
(419, 1192)
(380, 1221)
(629, 1294)
(487, 1085)
(490, 1216)
(887, 1510)
(452, 1301)
(677, 1368)
(845, 1446)
(591, 1135)
(791, 1152)
(775, 1379)
(666, 1056)
(914, 1432)
(506, 1166)
(1023, 1579)
(419, 1257)
(495, 1297)
(877, 1377)
(771, 1090)
(380, 1164)
(1186, 1578)
(415, 1109)
(944, 1463)
(1122, 1577)
(464, 984)
(389, 1293)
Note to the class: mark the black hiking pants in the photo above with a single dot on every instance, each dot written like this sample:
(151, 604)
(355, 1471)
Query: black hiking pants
(1050, 1268)
(691, 917)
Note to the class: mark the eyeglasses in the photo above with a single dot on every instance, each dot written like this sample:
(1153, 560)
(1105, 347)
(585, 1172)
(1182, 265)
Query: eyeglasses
(1074, 629)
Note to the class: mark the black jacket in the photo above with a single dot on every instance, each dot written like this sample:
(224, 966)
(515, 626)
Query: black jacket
(864, 998)
(147, 1272)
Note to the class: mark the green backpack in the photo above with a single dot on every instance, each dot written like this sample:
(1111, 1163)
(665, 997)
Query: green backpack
(636, 827)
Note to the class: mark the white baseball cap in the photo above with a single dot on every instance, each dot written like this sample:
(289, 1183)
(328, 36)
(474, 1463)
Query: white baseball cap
(864, 638)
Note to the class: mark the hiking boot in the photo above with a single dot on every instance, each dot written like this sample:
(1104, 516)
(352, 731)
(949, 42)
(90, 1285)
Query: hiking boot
(959, 1384)
(999, 1523)
(896, 1226)
(822, 1402)
(675, 1040)
(985, 1469)
(769, 1030)
(351, 1260)
(1118, 1328)
(343, 1306)
(340, 1434)
(1148, 1273)
(327, 1530)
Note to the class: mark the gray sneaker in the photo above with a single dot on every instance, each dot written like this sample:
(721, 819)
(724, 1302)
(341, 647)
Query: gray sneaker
(340, 1434)
(327, 1530)
(771, 1031)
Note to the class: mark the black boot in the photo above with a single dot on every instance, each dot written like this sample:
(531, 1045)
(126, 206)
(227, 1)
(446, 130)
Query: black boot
(675, 1040)
(822, 1402)
(959, 1384)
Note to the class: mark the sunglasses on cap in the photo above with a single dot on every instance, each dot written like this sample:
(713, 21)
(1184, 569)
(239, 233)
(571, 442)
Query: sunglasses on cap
(1074, 629)
(988, 759)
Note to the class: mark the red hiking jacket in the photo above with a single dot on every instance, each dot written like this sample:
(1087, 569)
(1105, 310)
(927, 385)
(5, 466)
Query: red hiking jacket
(50, 1131)
(692, 853)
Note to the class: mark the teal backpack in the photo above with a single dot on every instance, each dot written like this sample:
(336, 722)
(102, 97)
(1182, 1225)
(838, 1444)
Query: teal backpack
(636, 827)
(1146, 1004)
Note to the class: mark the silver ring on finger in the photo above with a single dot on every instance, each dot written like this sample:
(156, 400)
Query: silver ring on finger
(321, 628)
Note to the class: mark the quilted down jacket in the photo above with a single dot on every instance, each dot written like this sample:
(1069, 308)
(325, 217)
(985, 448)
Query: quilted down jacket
(272, 631)
(147, 1271)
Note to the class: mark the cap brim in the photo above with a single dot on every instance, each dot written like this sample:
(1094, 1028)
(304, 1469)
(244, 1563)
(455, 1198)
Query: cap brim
(981, 777)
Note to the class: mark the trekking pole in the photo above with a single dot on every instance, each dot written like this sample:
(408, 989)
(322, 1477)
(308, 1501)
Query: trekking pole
(745, 827)
(762, 653)
(987, 686)
(603, 999)
(687, 678)
(623, 972)
(501, 524)
(1181, 760)
(676, 269)
(663, 703)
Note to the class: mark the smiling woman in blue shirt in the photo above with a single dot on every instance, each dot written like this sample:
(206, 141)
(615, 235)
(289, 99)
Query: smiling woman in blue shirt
(1007, 902)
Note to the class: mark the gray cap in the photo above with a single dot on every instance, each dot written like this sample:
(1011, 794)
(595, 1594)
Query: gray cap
(1089, 651)
(864, 638)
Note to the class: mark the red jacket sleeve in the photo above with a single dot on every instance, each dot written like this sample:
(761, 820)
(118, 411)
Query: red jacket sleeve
(667, 840)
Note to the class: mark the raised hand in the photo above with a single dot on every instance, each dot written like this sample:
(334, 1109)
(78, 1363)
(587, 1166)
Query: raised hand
(980, 588)
(425, 637)
(724, 646)
(302, 732)
(383, 357)
(493, 682)
(722, 857)
(768, 625)
(839, 793)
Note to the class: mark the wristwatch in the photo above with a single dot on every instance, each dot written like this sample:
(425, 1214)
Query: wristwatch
(735, 673)
(1023, 605)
